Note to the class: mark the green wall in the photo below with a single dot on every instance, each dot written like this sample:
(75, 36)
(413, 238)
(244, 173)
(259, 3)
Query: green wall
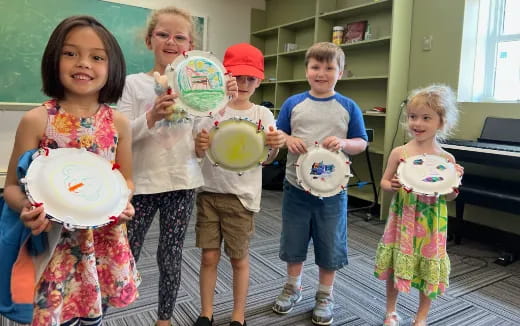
(443, 19)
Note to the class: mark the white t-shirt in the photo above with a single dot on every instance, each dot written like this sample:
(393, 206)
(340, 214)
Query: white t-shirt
(248, 186)
(164, 157)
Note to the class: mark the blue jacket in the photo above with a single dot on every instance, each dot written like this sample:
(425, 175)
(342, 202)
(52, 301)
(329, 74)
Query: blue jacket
(13, 235)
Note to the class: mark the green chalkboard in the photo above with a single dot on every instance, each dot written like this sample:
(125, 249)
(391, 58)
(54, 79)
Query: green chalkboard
(27, 24)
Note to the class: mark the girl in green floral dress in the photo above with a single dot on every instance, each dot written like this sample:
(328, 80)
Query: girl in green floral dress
(412, 251)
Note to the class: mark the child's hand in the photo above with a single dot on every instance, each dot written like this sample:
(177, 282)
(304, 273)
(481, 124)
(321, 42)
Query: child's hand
(202, 142)
(395, 184)
(333, 143)
(127, 214)
(295, 145)
(460, 170)
(274, 138)
(231, 86)
(35, 218)
(161, 108)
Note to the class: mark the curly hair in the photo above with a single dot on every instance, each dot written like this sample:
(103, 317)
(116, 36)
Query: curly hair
(441, 99)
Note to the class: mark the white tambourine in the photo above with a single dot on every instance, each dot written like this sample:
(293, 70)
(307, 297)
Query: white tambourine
(323, 173)
(430, 175)
(198, 78)
(77, 188)
(237, 144)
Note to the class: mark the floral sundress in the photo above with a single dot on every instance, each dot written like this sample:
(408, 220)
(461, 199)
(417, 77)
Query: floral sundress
(89, 269)
(413, 247)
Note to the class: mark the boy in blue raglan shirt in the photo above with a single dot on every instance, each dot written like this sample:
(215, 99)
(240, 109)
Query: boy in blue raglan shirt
(336, 122)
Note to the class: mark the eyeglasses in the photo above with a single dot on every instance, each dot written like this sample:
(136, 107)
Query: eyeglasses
(179, 39)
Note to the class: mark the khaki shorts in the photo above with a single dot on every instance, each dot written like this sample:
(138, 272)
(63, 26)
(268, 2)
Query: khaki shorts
(223, 217)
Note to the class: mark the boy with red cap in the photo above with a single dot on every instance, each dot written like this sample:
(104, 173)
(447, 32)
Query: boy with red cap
(227, 202)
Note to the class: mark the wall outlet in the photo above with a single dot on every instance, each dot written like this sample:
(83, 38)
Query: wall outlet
(427, 43)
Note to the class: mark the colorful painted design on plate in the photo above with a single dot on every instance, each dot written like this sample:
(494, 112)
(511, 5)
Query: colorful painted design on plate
(319, 169)
(201, 84)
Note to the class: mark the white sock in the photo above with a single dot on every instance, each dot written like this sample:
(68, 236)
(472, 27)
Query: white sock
(325, 288)
(295, 281)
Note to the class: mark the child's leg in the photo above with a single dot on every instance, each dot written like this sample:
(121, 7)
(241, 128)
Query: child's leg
(391, 295)
(424, 308)
(145, 208)
(208, 280)
(175, 213)
(240, 287)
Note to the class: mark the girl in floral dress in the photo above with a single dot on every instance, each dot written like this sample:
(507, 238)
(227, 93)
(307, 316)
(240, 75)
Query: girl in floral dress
(412, 251)
(83, 271)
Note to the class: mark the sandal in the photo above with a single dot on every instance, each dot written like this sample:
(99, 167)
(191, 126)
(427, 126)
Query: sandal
(392, 319)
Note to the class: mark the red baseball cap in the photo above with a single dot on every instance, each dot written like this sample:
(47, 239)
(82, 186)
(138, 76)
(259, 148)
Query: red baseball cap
(243, 59)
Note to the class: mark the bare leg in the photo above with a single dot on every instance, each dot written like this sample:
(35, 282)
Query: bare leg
(208, 280)
(294, 269)
(327, 277)
(424, 308)
(391, 296)
(240, 287)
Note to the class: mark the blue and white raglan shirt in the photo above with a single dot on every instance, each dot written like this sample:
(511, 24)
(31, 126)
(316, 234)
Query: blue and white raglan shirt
(313, 119)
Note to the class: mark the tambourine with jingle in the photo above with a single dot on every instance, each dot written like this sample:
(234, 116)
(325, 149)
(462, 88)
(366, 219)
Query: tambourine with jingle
(237, 144)
(198, 78)
(77, 188)
(322, 172)
(427, 174)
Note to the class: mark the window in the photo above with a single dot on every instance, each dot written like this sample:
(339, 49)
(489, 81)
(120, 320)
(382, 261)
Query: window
(490, 58)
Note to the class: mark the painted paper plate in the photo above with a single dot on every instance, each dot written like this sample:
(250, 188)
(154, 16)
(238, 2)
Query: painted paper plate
(198, 78)
(430, 175)
(237, 144)
(78, 188)
(323, 173)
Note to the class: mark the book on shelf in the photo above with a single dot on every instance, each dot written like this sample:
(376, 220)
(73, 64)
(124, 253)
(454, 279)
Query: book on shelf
(355, 31)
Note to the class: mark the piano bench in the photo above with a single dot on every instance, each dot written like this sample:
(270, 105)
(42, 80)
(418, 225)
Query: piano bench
(486, 192)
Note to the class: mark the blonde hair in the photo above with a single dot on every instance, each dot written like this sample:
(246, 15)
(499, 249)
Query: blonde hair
(326, 52)
(153, 19)
(441, 99)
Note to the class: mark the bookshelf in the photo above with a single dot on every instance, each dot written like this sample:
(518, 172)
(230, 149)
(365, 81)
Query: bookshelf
(376, 72)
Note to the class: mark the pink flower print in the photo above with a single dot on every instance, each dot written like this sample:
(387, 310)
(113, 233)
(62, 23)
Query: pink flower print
(42, 317)
(420, 231)
(59, 267)
(391, 231)
(105, 137)
(430, 200)
(120, 254)
(54, 299)
(126, 296)
(431, 249)
(70, 309)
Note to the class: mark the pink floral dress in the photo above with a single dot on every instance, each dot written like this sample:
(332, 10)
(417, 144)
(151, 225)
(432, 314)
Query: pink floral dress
(89, 269)
(413, 247)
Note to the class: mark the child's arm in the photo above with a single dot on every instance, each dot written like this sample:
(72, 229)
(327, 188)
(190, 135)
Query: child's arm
(124, 160)
(389, 181)
(275, 139)
(28, 136)
(294, 144)
(351, 146)
(202, 143)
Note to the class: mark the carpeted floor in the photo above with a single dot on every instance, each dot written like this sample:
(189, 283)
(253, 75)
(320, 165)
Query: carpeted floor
(481, 293)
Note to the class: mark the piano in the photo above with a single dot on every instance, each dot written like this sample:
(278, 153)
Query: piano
(497, 147)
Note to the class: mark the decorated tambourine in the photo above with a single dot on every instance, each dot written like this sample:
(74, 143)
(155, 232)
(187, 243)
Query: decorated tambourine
(237, 144)
(321, 172)
(77, 188)
(430, 175)
(198, 78)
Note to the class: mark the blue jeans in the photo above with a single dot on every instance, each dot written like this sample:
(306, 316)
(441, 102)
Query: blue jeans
(306, 217)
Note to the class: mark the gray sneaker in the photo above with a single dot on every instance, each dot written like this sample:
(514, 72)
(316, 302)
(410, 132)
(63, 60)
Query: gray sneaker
(287, 299)
(322, 314)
